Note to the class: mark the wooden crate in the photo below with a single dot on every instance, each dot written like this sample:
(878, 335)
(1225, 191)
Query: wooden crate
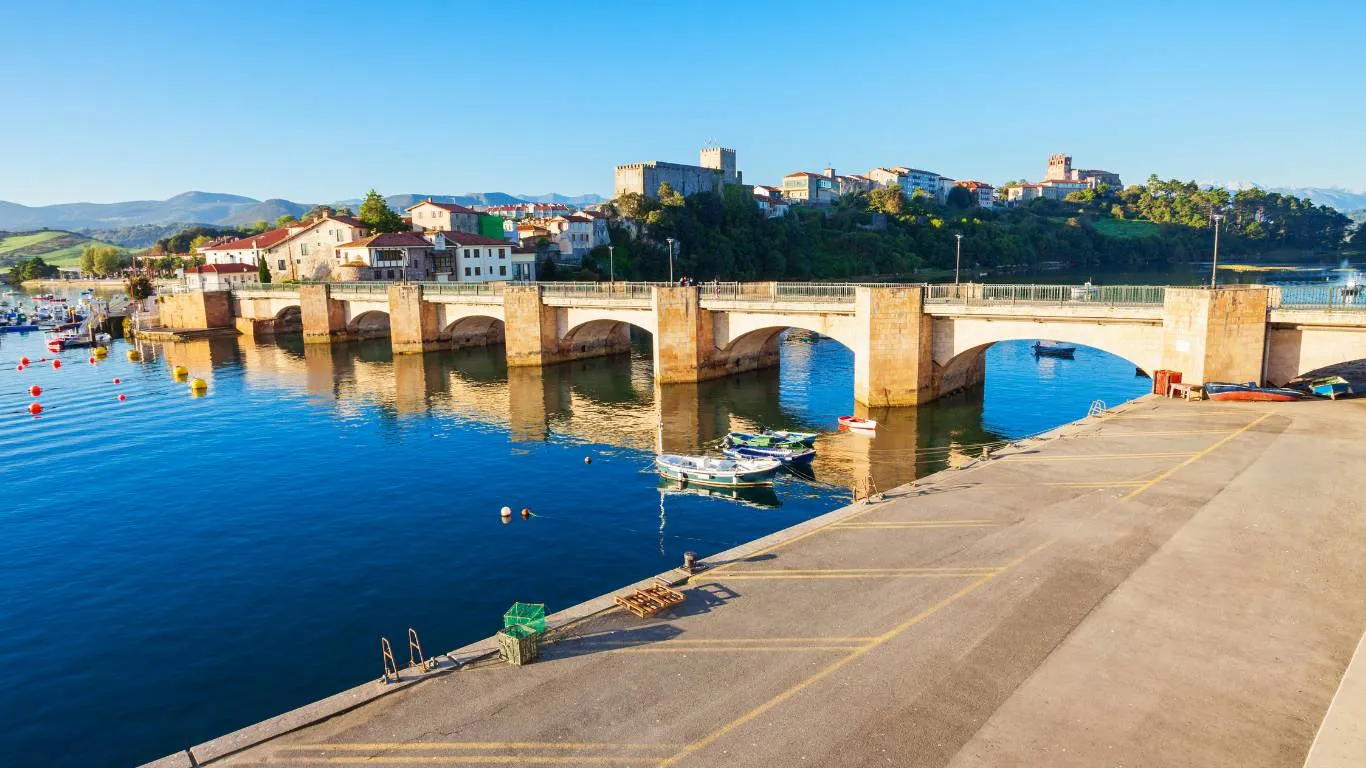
(651, 600)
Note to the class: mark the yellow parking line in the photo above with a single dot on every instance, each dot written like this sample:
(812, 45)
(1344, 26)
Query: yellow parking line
(1194, 458)
(922, 524)
(473, 759)
(1098, 484)
(735, 649)
(1096, 457)
(1163, 433)
(503, 745)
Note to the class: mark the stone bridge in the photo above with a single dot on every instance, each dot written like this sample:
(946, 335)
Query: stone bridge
(911, 343)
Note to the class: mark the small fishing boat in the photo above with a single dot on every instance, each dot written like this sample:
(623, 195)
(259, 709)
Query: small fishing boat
(759, 496)
(707, 470)
(18, 328)
(1226, 391)
(760, 441)
(854, 422)
(785, 455)
(1331, 387)
(1053, 349)
(805, 438)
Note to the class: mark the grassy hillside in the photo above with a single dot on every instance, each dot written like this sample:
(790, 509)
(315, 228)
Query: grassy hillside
(56, 247)
(1126, 228)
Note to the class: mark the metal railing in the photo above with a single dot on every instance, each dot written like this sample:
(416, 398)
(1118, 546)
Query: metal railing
(618, 290)
(266, 288)
(1331, 297)
(978, 294)
(365, 288)
(462, 289)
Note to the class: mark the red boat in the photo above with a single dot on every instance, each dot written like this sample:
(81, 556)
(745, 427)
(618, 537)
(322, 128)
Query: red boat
(1249, 392)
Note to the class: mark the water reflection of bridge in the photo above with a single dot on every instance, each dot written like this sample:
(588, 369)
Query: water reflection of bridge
(608, 400)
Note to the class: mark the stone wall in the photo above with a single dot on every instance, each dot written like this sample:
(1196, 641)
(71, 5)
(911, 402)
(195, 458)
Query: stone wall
(1214, 335)
(196, 311)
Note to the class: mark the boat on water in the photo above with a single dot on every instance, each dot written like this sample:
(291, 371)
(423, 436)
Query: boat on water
(854, 422)
(25, 328)
(1053, 349)
(1250, 392)
(787, 455)
(1330, 387)
(805, 438)
(761, 440)
(708, 470)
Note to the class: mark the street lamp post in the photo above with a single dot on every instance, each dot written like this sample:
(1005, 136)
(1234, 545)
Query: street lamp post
(1214, 268)
(612, 265)
(671, 258)
(958, 258)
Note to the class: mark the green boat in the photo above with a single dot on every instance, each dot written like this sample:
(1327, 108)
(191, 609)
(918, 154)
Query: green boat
(705, 470)
(764, 441)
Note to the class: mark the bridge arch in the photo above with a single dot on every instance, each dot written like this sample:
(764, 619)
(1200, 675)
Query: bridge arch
(600, 336)
(289, 319)
(761, 347)
(474, 331)
(969, 367)
(371, 324)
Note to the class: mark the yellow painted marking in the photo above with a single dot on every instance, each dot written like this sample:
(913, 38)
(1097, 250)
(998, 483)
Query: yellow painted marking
(1194, 458)
(1017, 458)
(922, 524)
(472, 759)
(812, 639)
(1179, 416)
(503, 745)
(663, 648)
(1164, 433)
(1101, 484)
(804, 684)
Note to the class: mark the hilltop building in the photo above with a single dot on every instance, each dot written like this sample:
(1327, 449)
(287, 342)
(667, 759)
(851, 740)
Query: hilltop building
(911, 179)
(1061, 180)
(716, 169)
(983, 194)
(429, 216)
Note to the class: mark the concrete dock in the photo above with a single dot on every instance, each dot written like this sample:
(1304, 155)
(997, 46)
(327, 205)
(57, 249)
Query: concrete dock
(1174, 584)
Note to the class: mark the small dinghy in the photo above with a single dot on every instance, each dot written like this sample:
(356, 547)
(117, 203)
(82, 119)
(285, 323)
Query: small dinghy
(786, 455)
(763, 440)
(706, 470)
(805, 438)
(854, 422)
(1331, 387)
(1052, 349)
(1249, 392)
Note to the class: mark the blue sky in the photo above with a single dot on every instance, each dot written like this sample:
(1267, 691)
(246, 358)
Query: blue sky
(309, 101)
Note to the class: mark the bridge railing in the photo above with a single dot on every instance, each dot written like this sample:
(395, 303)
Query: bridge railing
(463, 289)
(989, 294)
(361, 288)
(617, 290)
(265, 289)
(1332, 297)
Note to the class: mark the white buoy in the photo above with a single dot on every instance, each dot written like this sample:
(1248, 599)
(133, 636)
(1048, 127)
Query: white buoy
(506, 513)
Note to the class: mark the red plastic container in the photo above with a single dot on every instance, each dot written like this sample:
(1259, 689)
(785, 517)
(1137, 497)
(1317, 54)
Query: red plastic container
(1163, 379)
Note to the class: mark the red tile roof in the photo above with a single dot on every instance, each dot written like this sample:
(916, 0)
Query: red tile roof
(263, 240)
(973, 185)
(350, 220)
(465, 238)
(389, 240)
(452, 207)
(222, 269)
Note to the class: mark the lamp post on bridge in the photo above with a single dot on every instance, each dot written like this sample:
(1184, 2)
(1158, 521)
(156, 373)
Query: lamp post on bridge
(671, 258)
(1214, 268)
(612, 266)
(958, 257)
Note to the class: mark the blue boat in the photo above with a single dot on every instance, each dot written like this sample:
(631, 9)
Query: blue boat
(785, 455)
(1053, 350)
(17, 328)
(805, 438)
(1331, 387)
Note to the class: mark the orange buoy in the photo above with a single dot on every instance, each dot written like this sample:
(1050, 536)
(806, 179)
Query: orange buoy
(35, 408)
(122, 397)
(116, 380)
(526, 513)
(56, 364)
(35, 390)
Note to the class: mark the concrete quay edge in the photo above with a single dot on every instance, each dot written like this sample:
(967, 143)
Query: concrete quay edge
(450, 661)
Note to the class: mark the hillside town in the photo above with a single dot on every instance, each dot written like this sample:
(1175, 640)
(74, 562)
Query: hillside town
(448, 242)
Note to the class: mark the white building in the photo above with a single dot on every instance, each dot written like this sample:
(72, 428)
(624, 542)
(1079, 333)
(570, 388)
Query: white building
(910, 180)
(430, 216)
(466, 258)
(219, 277)
(303, 250)
(389, 256)
(983, 194)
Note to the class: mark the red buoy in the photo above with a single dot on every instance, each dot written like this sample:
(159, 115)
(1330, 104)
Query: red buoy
(35, 408)
(23, 361)
(92, 360)
(122, 397)
(19, 367)
(42, 359)
(35, 390)
(56, 364)
(116, 380)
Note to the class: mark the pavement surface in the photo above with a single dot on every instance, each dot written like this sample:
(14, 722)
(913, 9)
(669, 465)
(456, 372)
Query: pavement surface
(1177, 584)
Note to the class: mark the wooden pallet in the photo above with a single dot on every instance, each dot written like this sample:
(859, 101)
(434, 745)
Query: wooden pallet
(651, 600)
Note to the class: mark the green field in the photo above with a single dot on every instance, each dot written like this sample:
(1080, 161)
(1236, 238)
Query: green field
(56, 247)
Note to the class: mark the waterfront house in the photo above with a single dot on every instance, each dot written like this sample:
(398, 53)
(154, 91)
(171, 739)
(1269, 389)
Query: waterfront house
(219, 277)
(386, 256)
(463, 257)
(245, 250)
(431, 216)
(304, 250)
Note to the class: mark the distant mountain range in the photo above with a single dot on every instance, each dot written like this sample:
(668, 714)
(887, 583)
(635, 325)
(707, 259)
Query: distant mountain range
(217, 209)
(1344, 200)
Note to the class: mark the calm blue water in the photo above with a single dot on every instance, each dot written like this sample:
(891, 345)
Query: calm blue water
(175, 567)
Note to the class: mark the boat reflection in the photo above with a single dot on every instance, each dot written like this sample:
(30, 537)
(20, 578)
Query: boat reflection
(762, 497)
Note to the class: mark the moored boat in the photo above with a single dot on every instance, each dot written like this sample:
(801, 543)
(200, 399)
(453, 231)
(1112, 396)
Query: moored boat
(759, 496)
(854, 422)
(805, 438)
(760, 440)
(1052, 349)
(707, 470)
(784, 454)
(1249, 392)
(1331, 387)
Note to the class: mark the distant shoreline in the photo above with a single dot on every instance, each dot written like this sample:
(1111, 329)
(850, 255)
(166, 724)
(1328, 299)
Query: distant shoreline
(115, 283)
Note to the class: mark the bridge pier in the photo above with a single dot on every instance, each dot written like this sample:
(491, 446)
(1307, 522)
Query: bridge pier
(413, 324)
(892, 353)
(1215, 335)
(324, 318)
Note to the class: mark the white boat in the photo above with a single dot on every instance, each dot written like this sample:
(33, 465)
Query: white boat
(707, 470)
(854, 422)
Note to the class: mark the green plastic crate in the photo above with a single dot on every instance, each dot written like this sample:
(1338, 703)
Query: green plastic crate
(531, 615)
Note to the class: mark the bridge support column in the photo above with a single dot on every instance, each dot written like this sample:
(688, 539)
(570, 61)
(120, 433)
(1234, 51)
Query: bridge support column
(324, 318)
(892, 353)
(529, 327)
(1215, 335)
(684, 337)
(413, 325)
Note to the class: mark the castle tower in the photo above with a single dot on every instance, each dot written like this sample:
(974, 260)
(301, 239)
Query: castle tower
(1059, 168)
(723, 160)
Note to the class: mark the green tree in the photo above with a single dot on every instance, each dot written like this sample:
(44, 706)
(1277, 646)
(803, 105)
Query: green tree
(199, 242)
(285, 220)
(88, 259)
(668, 196)
(889, 199)
(108, 260)
(262, 270)
(378, 216)
(960, 197)
(138, 286)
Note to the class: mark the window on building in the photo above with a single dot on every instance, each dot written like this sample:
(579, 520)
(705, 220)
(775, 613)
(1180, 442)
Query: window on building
(467, 271)
(502, 253)
(281, 264)
(303, 249)
(502, 270)
(476, 270)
